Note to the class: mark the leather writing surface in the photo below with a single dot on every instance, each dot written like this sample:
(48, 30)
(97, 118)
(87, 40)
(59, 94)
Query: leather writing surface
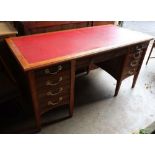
(40, 47)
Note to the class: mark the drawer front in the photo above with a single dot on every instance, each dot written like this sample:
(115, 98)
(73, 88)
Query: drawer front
(53, 86)
(52, 93)
(48, 104)
(52, 98)
(105, 56)
(129, 72)
(98, 58)
(139, 47)
(53, 70)
(48, 96)
(46, 85)
(56, 80)
(134, 59)
(83, 62)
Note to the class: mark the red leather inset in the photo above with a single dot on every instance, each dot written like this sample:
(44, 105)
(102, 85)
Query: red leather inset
(36, 48)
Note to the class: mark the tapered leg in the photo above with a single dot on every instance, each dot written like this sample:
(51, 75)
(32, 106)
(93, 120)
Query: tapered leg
(150, 53)
(134, 80)
(71, 105)
(117, 87)
(34, 100)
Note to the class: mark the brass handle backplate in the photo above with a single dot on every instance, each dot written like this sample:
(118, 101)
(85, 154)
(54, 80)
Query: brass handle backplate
(54, 103)
(49, 83)
(50, 93)
(59, 68)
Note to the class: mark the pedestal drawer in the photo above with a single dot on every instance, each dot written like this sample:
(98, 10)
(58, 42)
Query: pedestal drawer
(48, 103)
(53, 70)
(53, 86)
(134, 59)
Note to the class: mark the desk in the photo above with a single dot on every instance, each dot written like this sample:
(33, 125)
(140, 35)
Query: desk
(50, 61)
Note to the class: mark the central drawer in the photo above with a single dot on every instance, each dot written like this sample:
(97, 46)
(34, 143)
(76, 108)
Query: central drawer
(53, 86)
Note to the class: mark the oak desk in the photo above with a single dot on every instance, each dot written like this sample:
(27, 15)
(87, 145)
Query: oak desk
(50, 60)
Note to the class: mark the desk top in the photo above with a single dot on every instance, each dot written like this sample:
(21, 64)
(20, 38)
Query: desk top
(40, 50)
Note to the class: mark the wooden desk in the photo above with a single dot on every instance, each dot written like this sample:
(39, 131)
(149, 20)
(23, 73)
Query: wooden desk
(50, 61)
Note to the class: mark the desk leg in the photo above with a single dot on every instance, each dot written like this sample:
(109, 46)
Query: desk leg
(117, 87)
(134, 80)
(136, 75)
(36, 108)
(71, 105)
(150, 53)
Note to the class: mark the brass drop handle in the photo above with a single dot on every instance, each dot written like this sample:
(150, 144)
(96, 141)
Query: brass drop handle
(130, 72)
(54, 103)
(139, 49)
(59, 68)
(49, 93)
(137, 55)
(48, 83)
(134, 63)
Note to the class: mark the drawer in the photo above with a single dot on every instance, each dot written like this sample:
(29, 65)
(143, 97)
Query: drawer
(139, 48)
(83, 62)
(105, 56)
(47, 85)
(48, 104)
(54, 92)
(129, 72)
(136, 55)
(62, 73)
(130, 67)
(53, 80)
(49, 99)
(53, 70)
(132, 61)
(44, 97)
(53, 86)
